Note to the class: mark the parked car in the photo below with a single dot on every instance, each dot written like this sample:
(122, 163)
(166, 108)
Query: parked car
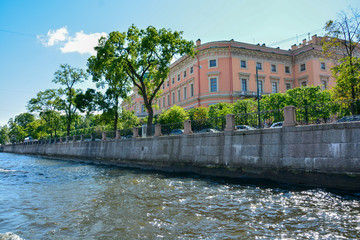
(351, 118)
(276, 125)
(177, 132)
(208, 130)
(243, 127)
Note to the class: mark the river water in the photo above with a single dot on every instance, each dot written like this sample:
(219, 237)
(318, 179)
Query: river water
(52, 199)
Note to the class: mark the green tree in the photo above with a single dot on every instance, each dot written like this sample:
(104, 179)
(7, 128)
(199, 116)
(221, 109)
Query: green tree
(145, 56)
(347, 86)
(199, 113)
(24, 119)
(342, 38)
(128, 119)
(273, 105)
(4, 134)
(217, 114)
(16, 132)
(312, 104)
(46, 104)
(109, 74)
(68, 76)
(245, 112)
(175, 114)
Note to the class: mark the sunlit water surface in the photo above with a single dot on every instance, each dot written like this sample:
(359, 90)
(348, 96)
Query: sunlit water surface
(49, 199)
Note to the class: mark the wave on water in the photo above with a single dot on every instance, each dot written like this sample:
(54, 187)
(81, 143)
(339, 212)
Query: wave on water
(10, 236)
(5, 171)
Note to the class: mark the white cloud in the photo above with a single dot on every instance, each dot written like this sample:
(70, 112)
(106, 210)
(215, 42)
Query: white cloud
(82, 43)
(54, 36)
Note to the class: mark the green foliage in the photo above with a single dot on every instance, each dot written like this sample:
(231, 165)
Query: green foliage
(175, 114)
(24, 119)
(347, 86)
(217, 113)
(68, 76)
(245, 112)
(198, 113)
(145, 56)
(16, 132)
(128, 119)
(4, 134)
(272, 105)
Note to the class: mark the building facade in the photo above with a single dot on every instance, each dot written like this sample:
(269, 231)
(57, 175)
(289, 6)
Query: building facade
(225, 71)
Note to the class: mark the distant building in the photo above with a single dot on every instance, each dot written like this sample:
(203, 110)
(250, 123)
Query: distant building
(225, 71)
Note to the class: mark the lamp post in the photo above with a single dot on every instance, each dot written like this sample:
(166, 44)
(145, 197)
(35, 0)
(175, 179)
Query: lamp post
(258, 96)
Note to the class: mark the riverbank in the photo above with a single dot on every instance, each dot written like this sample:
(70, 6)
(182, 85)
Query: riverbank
(316, 155)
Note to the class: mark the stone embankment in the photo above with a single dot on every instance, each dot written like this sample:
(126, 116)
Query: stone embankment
(314, 155)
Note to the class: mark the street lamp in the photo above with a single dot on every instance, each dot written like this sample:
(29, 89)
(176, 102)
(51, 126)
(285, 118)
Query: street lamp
(258, 95)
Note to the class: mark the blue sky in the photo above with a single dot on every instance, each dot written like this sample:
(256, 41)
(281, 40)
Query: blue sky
(37, 36)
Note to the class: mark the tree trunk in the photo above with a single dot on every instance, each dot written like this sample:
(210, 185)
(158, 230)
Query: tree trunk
(149, 122)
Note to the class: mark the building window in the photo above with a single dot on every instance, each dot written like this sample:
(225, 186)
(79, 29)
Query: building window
(178, 77)
(185, 92)
(173, 80)
(173, 98)
(163, 101)
(274, 87)
(259, 66)
(287, 69)
(273, 67)
(163, 86)
(191, 90)
(168, 100)
(260, 86)
(302, 67)
(324, 84)
(179, 95)
(323, 66)
(288, 86)
(244, 84)
(213, 85)
(142, 108)
(191, 70)
(303, 83)
(212, 63)
(243, 64)
(185, 74)
(167, 83)
(158, 103)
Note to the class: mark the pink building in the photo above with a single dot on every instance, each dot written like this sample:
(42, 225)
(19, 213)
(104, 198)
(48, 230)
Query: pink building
(225, 71)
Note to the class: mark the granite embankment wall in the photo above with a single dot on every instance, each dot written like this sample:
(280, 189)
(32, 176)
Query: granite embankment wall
(315, 155)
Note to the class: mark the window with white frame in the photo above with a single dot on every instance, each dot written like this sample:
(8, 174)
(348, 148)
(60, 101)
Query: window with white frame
(173, 80)
(212, 63)
(287, 69)
(274, 87)
(288, 86)
(323, 66)
(191, 69)
(185, 74)
(163, 101)
(173, 98)
(167, 83)
(143, 108)
(178, 77)
(244, 85)
(168, 100)
(191, 90)
(243, 64)
(324, 84)
(185, 92)
(302, 67)
(213, 84)
(273, 68)
(303, 83)
(159, 103)
(259, 65)
(179, 95)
